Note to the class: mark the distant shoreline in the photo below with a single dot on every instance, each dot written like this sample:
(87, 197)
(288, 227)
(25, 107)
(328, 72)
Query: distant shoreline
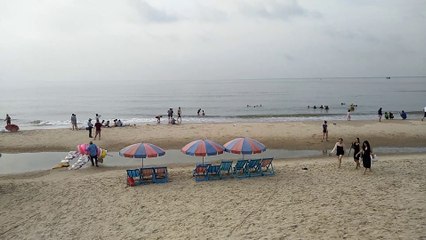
(298, 135)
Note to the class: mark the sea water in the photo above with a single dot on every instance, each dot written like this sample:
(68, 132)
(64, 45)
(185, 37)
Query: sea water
(49, 104)
(25, 162)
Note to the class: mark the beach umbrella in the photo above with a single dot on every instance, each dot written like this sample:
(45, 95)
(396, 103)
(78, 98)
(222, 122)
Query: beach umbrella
(142, 150)
(202, 148)
(244, 145)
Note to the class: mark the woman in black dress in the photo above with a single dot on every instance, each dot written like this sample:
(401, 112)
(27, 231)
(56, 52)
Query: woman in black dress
(339, 148)
(366, 155)
(356, 147)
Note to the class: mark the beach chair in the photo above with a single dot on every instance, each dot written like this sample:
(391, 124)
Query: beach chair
(225, 168)
(147, 175)
(200, 172)
(253, 168)
(213, 172)
(266, 167)
(161, 175)
(240, 169)
(133, 177)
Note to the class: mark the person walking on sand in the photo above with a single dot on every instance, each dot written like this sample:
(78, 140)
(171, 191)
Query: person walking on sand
(356, 147)
(74, 122)
(179, 117)
(98, 127)
(324, 131)
(348, 115)
(339, 148)
(366, 152)
(89, 127)
(380, 113)
(93, 153)
(8, 119)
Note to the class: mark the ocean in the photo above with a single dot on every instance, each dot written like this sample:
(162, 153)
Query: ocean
(49, 104)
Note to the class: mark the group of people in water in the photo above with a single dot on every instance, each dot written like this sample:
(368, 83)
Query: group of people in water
(389, 115)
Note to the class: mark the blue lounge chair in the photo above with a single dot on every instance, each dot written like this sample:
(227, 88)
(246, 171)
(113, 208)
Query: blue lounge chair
(161, 175)
(266, 167)
(133, 177)
(225, 168)
(200, 172)
(213, 172)
(147, 175)
(253, 168)
(240, 169)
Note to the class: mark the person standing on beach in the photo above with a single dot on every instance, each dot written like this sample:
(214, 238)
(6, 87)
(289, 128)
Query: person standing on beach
(424, 115)
(356, 147)
(8, 119)
(98, 127)
(93, 153)
(380, 113)
(170, 114)
(339, 148)
(97, 117)
(366, 155)
(74, 122)
(179, 118)
(324, 131)
(89, 127)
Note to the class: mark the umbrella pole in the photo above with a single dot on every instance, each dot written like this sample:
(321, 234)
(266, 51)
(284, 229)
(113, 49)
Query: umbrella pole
(203, 160)
(142, 162)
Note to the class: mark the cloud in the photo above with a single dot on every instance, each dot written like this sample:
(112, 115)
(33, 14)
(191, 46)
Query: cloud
(277, 10)
(151, 14)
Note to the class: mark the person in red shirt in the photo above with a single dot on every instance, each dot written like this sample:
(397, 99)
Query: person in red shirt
(98, 127)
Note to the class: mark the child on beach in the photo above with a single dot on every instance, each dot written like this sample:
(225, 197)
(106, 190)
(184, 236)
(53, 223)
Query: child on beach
(324, 132)
(339, 148)
(348, 115)
(179, 118)
(380, 113)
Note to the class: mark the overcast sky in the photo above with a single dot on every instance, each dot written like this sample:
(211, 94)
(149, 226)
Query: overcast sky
(191, 39)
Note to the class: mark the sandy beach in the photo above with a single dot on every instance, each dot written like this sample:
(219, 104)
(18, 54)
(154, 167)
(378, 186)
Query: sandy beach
(282, 135)
(322, 202)
(319, 203)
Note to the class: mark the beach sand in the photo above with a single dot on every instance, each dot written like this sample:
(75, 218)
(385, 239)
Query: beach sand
(282, 135)
(321, 203)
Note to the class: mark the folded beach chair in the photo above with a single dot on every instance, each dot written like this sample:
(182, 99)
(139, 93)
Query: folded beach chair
(225, 168)
(200, 172)
(161, 175)
(133, 177)
(240, 169)
(266, 167)
(147, 175)
(253, 168)
(213, 172)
